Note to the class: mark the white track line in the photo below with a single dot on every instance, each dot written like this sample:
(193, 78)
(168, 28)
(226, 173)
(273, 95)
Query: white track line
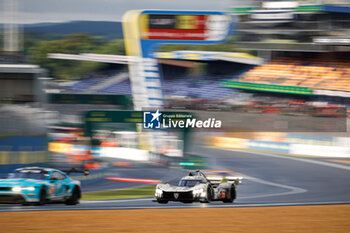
(112, 201)
(234, 205)
(135, 180)
(294, 190)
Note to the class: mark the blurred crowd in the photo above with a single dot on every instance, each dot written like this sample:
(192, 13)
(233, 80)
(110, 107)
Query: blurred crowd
(320, 73)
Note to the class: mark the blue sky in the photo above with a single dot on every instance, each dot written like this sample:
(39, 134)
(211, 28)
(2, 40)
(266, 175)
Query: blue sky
(35, 11)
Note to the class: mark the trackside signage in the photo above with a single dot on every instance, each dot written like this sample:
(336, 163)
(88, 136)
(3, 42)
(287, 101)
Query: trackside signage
(145, 30)
(165, 120)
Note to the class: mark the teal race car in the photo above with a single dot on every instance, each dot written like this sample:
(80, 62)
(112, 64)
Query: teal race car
(36, 185)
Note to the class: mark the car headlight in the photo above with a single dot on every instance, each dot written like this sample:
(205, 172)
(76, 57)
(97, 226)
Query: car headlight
(159, 191)
(28, 188)
(16, 189)
(19, 189)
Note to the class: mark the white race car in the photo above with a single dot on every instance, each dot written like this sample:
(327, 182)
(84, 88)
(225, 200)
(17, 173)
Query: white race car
(198, 187)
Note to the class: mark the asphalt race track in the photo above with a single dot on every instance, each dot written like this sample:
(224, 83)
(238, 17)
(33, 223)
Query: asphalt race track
(269, 180)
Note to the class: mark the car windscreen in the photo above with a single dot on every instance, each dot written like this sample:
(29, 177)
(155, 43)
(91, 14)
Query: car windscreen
(188, 183)
(27, 175)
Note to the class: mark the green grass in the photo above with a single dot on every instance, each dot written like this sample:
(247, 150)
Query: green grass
(140, 192)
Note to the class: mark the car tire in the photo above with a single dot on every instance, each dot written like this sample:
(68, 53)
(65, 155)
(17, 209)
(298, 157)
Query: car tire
(232, 195)
(162, 201)
(75, 196)
(233, 192)
(42, 196)
(208, 198)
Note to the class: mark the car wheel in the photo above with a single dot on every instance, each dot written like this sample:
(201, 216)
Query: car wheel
(42, 196)
(208, 198)
(232, 195)
(162, 201)
(74, 198)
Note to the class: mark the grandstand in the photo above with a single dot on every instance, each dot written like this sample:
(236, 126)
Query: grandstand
(184, 74)
(203, 87)
(291, 25)
(206, 87)
(299, 41)
(319, 73)
(305, 44)
(122, 87)
(96, 81)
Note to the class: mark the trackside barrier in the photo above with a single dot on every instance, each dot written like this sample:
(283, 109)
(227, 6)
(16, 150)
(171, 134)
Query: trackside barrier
(125, 153)
(228, 142)
(95, 151)
(22, 151)
(340, 151)
(310, 139)
(342, 141)
(317, 150)
(280, 147)
(59, 147)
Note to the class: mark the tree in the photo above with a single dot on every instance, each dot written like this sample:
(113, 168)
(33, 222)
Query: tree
(72, 44)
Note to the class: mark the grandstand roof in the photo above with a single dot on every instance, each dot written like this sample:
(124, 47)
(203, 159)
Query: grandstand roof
(211, 56)
(342, 6)
(20, 68)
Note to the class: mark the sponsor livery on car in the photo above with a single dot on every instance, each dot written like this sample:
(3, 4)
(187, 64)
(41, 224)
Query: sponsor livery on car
(198, 187)
(40, 185)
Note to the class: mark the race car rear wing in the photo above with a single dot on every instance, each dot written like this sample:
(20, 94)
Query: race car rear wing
(215, 180)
